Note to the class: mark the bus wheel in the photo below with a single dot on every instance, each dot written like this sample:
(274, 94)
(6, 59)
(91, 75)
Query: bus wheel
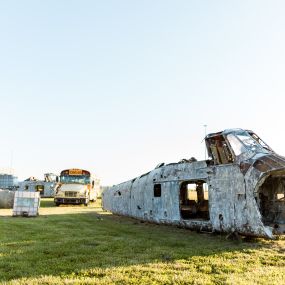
(57, 204)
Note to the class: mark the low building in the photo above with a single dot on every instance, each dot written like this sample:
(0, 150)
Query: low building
(8, 181)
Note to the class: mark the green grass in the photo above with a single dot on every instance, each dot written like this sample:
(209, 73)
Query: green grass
(84, 245)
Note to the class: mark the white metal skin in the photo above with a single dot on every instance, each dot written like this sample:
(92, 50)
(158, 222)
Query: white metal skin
(236, 192)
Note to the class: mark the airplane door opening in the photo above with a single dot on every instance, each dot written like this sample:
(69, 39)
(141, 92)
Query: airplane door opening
(193, 200)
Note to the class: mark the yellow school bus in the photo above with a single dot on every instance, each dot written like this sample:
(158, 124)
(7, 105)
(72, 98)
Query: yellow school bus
(76, 186)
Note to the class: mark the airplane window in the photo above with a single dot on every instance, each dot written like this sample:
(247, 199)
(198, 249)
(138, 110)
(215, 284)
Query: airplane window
(157, 190)
(236, 144)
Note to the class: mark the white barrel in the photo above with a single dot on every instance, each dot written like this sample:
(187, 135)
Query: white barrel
(6, 199)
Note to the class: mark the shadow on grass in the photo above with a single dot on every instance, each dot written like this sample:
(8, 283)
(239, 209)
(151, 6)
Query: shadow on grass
(60, 245)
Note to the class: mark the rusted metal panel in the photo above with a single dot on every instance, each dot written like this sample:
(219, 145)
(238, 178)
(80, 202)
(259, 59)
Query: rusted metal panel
(240, 188)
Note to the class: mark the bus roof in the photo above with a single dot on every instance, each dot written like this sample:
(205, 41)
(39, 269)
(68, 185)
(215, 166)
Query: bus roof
(75, 171)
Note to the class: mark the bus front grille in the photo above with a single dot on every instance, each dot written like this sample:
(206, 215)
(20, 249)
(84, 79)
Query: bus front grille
(70, 194)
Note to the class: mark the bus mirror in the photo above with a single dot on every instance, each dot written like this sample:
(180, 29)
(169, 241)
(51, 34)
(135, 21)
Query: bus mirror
(56, 179)
(93, 183)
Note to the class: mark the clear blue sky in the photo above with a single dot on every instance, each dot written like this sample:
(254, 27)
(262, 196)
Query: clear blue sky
(118, 86)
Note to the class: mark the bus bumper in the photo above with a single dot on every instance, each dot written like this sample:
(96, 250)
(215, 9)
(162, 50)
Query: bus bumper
(70, 200)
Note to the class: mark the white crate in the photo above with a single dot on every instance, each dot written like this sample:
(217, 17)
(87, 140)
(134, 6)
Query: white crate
(26, 204)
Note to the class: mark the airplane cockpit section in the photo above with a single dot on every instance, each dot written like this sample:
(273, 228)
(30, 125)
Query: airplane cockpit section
(235, 145)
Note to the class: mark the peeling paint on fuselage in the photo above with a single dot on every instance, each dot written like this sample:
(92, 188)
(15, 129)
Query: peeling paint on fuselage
(242, 190)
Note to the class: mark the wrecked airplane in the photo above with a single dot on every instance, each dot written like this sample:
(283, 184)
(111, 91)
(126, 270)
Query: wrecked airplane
(239, 189)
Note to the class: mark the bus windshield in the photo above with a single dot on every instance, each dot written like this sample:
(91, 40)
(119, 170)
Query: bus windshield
(75, 179)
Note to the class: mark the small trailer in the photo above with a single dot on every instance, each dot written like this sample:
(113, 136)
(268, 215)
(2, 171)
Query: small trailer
(46, 187)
